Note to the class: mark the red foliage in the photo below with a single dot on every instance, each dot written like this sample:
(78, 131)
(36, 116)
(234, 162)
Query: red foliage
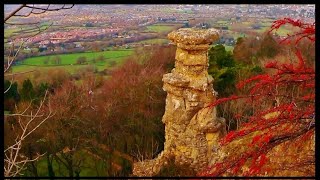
(306, 30)
(292, 87)
(222, 100)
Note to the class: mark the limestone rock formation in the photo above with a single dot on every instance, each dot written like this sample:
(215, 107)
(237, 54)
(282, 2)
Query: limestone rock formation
(191, 128)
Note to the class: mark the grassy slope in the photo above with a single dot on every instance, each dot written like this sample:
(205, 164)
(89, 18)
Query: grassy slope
(68, 61)
(160, 28)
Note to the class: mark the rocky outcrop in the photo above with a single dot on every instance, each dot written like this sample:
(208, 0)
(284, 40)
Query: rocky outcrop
(191, 128)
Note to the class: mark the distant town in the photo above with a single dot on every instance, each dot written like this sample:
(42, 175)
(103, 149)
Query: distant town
(123, 25)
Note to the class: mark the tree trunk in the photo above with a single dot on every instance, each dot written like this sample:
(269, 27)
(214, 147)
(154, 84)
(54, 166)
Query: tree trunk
(51, 173)
(33, 166)
(34, 169)
(70, 168)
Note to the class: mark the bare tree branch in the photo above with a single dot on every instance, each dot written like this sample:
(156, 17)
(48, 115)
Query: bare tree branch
(14, 12)
(55, 9)
(9, 85)
(14, 74)
(43, 10)
(12, 165)
(21, 24)
(14, 162)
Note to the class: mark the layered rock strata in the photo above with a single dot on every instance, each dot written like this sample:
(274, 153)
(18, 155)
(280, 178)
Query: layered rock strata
(191, 128)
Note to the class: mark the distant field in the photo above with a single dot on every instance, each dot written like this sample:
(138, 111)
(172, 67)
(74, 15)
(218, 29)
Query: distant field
(68, 61)
(169, 10)
(246, 23)
(25, 31)
(159, 28)
(9, 32)
(229, 48)
(222, 22)
(69, 68)
(154, 41)
(265, 26)
(189, 11)
(235, 35)
(25, 68)
(283, 31)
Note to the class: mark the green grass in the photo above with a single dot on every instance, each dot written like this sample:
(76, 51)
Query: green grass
(222, 22)
(25, 31)
(91, 166)
(283, 31)
(188, 11)
(169, 10)
(246, 23)
(266, 24)
(159, 28)
(93, 163)
(229, 48)
(68, 61)
(69, 68)
(26, 68)
(9, 32)
(154, 41)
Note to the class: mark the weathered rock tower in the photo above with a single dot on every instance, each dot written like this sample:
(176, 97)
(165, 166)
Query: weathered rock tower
(191, 128)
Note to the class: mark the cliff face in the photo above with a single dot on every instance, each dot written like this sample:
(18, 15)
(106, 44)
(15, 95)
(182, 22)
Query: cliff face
(191, 128)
